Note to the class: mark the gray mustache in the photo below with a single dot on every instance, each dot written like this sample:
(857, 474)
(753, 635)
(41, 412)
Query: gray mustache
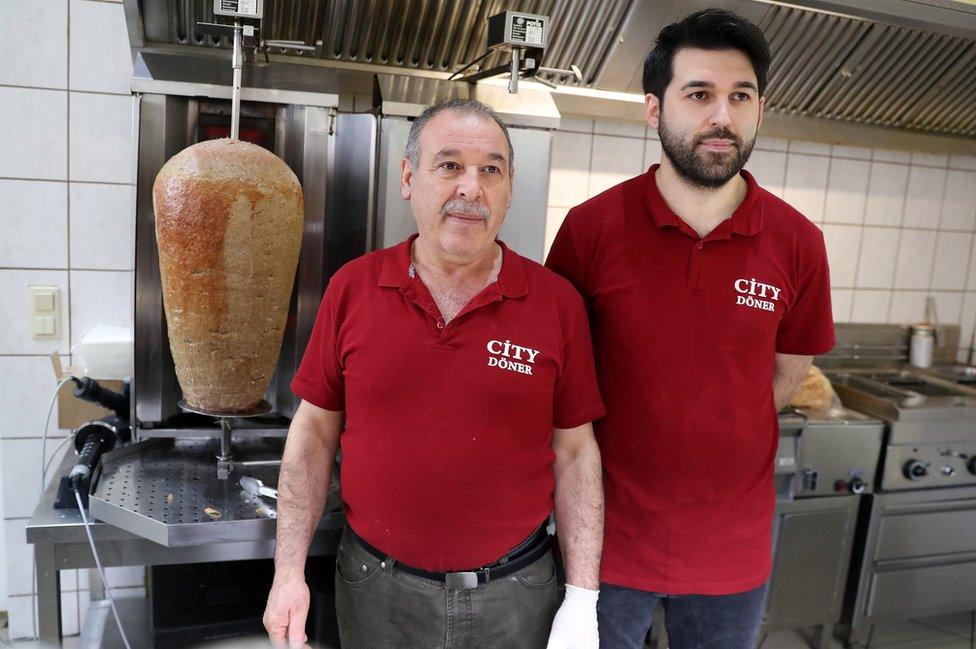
(465, 207)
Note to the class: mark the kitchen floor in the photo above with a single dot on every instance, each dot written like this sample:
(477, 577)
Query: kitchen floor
(946, 632)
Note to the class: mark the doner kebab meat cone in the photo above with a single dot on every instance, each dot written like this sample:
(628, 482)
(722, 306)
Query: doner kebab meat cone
(229, 229)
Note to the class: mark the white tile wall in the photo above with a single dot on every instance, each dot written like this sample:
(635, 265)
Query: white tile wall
(876, 263)
(569, 179)
(899, 226)
(76, 234)
(101, 138)
(26, 396)
(100, 59)
(806, 184)
(33, 43)
(843, 243)
(99, 298)
(34, 222)
(615, 159)
(847, 191)
(916, 252)
(886, 194)
(14, 330)
(924, 197)
(102, 226)
(769, 169)
(959, 202)
(38, 146)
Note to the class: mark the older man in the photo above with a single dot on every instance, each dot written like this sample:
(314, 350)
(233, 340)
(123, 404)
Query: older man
(458, 379)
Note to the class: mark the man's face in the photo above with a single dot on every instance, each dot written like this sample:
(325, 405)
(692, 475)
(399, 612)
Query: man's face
(710, 115)
(462, 186)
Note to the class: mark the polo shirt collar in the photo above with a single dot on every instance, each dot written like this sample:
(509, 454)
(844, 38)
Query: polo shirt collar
(396, 269)
(746, 220)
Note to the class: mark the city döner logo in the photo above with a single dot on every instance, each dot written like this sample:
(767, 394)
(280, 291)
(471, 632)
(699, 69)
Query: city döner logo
(755, 294)
(508, 356)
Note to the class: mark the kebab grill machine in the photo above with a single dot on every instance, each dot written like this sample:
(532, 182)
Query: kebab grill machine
(252, 189)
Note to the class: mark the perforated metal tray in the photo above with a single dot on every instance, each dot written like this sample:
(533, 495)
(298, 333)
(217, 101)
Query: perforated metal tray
(167, 491)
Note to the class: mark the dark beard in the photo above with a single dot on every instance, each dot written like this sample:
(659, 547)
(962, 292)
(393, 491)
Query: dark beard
(704, 169)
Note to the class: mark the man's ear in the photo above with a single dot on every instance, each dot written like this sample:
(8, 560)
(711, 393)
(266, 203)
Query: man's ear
(406, 175)
(762, 112)
(652, 110)
(511, 185)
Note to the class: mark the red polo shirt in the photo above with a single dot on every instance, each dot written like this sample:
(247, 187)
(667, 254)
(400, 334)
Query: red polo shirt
(446, 457)
(685, 332)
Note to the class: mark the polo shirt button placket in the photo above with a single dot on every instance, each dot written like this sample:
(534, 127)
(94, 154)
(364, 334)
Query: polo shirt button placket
(695, 270)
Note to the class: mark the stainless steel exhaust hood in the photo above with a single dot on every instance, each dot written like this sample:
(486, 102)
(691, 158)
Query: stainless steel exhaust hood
(906, 64)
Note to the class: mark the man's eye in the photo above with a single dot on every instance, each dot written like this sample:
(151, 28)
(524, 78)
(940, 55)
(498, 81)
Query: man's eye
(492, 169)
(449, 166)
(698, 96)
(741, 96)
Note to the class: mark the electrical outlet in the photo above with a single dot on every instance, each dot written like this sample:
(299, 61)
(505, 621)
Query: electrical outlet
(44, 311)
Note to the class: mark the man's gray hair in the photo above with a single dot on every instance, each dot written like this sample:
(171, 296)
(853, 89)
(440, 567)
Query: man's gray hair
(462, 107)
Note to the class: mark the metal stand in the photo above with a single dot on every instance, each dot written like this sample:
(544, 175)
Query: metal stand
(225, 458)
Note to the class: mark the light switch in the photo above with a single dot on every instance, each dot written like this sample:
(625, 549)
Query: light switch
(45, 311)
(44, 325)
(43, 301)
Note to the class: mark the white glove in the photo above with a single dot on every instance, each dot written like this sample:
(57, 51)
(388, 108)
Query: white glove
(574, 626)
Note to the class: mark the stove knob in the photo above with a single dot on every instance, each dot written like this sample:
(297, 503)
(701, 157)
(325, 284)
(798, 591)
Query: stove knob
(857, 486)
(915, 469)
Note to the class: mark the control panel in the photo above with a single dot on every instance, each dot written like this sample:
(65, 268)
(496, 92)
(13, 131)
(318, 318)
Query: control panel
(929, 465)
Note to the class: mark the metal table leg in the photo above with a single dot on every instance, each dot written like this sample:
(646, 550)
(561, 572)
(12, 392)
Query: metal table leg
(48, 597)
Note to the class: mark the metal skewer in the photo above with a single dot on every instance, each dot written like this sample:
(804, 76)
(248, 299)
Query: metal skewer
(236, 62)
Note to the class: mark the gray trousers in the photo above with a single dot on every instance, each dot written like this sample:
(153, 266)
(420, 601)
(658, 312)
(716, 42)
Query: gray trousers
(381, 607)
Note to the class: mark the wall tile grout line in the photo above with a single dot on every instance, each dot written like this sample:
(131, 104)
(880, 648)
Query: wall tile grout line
(860, 243)
(65, 180)
(64, 270)
(69, 89)
(901, 221)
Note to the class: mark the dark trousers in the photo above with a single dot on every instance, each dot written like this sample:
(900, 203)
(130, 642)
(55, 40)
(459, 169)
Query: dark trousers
(381, 607)
(692, 621)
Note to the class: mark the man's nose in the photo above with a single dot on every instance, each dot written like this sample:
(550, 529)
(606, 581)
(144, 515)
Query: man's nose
(720, 116)
(469, 184)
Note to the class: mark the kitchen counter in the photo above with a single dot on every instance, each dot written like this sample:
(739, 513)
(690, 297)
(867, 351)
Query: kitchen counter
(60, 543)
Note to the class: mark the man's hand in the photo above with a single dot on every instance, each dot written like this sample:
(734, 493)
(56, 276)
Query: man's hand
(285, 614)
(787, 377)
(574, 626)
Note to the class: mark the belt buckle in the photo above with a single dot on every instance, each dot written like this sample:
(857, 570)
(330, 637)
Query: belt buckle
(461, 580)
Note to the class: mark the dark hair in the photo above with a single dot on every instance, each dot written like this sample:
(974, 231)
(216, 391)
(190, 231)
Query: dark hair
(458, 106)
(710, 29)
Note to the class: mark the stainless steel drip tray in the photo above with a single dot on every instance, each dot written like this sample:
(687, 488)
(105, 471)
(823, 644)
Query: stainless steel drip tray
(167, 491)
(963, 376)
(901, 390)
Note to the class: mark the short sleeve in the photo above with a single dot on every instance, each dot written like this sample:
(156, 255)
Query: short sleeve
(577, 397)
(319, 379)
(807, 329)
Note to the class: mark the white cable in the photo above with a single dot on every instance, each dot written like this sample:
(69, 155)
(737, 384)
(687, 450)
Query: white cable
(44, 468)
(47, 424)
(101, 571)
(54, 453)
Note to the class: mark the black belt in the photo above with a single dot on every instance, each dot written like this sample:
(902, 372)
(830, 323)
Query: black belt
(522, 555)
